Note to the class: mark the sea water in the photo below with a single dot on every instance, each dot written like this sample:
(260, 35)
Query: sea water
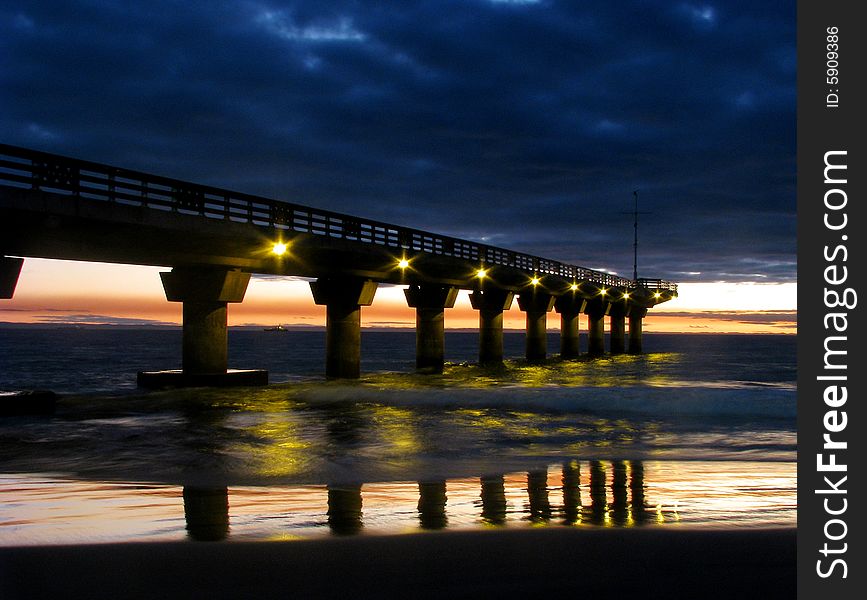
(698, 431)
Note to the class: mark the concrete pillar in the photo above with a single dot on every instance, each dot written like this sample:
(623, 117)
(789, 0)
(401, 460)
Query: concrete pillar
(571, 492)
(491, 304)
(430, 302)
(10, 269)
(640, 511)
(205, 292)
(569, 306)
(494, 499)
(206, 511)
(596, 311)
(432, 504)
(343, 299)
(619, 509)
(617, 338)
(536, 304)
(636, 315)
(537, 492)
(598, 500)
(345, 509)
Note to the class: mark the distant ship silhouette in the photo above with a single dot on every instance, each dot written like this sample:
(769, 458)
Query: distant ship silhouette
(276, 328)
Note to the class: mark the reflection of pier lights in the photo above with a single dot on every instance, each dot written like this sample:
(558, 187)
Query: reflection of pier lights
(432, 504)
(344, 509)
(206, 511)
(537, 490)
(493, 499)
(571, 493)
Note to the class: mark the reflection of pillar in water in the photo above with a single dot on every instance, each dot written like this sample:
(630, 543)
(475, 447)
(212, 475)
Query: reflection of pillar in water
(432, 504)
(598, 502)
(640, 512)
(620, 505)
(537, 489)
(206, 511)
(571, 492)
(493, 499)
(344, 509)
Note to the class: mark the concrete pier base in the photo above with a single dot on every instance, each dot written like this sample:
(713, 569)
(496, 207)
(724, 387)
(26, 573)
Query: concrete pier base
(617, 336)
(636, 317)
(537, 305)
(491, 304)
(177, 378)
(205, 293)
(343, 299)
(430, 302)
(10, 269)
(569, 306)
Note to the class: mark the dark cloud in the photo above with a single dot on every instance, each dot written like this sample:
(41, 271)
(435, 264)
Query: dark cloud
(92, 319)
(525, 124)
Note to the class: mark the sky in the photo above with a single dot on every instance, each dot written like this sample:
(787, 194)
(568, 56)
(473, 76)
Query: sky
(522, 124)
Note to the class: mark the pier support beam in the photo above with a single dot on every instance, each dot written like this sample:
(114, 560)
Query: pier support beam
(596, 311)
(343, 299)
(491, 304)
(617, 337)
(205, 293)
(10, 269)
(636, 316)
(536, 304)
(430, 302)
(569, 306)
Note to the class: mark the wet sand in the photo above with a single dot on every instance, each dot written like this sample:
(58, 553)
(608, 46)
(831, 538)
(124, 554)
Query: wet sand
(619, 563)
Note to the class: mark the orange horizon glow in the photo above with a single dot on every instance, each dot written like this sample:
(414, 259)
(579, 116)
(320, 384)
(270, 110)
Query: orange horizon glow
(51, 291)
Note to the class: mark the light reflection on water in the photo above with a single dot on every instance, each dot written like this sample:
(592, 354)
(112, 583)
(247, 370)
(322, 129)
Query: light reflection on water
(41, 509)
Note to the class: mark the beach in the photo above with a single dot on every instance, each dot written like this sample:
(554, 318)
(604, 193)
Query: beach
(665, 475)
(689, 563)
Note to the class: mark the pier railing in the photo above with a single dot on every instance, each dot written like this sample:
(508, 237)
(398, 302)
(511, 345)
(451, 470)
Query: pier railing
(25, 168)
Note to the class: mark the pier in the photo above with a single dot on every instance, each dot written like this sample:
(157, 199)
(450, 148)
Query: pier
(214, 240)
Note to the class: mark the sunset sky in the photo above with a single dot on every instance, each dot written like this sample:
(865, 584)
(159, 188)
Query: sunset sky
(525, 124)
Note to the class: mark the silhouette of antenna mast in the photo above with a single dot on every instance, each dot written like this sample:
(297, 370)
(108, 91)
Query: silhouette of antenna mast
(635, 214)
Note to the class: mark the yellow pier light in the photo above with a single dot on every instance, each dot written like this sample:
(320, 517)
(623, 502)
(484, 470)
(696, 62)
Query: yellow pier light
(279, 248)
(481, 273)
(403, 263)
(534, 281)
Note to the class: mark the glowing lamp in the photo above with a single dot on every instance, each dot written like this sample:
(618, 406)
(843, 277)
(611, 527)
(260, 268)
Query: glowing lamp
(603, 291)
(574, 287)
(279, 249)
(481, 273)
(535, 281)
(657, 295)
(403, 263)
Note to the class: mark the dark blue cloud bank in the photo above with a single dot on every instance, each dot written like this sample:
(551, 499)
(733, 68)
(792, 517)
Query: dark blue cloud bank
(526, 124)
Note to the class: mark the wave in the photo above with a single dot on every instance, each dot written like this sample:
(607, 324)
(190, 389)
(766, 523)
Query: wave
(667, 402)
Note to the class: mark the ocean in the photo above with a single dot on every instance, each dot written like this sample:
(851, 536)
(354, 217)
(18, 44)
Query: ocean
(697, 432)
